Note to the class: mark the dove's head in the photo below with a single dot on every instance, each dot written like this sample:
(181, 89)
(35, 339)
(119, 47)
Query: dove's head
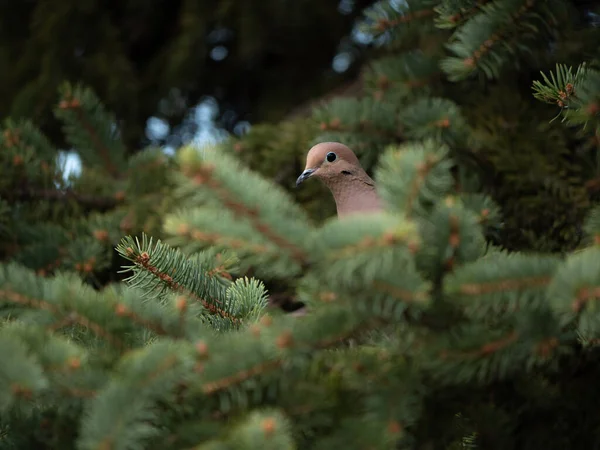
(330, 162)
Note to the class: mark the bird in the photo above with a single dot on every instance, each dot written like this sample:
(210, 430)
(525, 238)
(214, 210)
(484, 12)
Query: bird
(339, 169)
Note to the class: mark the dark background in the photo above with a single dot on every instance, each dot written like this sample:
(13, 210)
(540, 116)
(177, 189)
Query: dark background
(246, 61)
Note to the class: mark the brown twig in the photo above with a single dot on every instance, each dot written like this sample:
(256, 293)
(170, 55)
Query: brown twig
(485, 350)
(143, 260)
(503, 285)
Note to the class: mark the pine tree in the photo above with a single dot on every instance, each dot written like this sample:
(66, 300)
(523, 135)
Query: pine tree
(435, 324)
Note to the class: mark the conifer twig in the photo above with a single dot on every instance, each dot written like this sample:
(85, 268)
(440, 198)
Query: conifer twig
(124, 311)
(238, 377)
(286, 340)
(75, 105)
(203, 175)
(485, 350)
(143, 260)
(503, 285)
(485, 48)
(399, 293)
(385, 24)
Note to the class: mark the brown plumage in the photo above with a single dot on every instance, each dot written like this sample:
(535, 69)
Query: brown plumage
(339, 169)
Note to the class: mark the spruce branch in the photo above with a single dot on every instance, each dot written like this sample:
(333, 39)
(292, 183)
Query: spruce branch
(335, 125)
(490, 39)
(158, 268)
(484, 350)
(239, 377)
(90, 129)
(123, 311)
(358, 122)
(400, 293)
(386, 24)
(501, 283)
(180, 227)
(484, 354)
(394, 78)
(360, 258)
(574, 290)
(65, 319)
(238, 210)
(203, 175)
(434, 118)
(146, 376)
(23, 378)
(486, 209)
(266, 428)
(63, 304)
(291, 342)
(454, 236)
(64, 362)
(383, 18)
(414, 176)
(559, 88)
(578, 96)
(503, 286)
(398, 234)
(174, 317)
(149, 180)
(453, 13)
(22, 137)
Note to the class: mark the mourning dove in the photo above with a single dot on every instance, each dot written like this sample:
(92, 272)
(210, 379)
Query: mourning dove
(339, 169)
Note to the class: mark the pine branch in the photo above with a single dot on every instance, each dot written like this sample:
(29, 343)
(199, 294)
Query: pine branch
(394, 78)
(383, 17)
(203, 176)
(577, 96)
(365, 116)
(413, 177)
(489, 40)
(454, 13)
(505, 284)
(158, 268)
(236, 209)
(90, 129)
(292, 340)
(93, 136)
(560, 87)
(64, 303)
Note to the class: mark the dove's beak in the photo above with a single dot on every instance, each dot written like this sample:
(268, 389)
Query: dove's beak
(306, 174)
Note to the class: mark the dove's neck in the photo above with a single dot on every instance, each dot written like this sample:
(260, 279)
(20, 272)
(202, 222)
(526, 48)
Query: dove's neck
(354, 193)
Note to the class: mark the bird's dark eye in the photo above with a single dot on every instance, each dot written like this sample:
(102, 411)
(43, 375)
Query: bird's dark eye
(331, 157)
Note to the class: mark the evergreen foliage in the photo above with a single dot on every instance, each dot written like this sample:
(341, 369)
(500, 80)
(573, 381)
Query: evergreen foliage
(52, 222)
(488, 118)
(159, 58)
(462, 316)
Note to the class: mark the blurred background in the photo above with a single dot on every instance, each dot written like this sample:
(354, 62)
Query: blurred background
(178, 70)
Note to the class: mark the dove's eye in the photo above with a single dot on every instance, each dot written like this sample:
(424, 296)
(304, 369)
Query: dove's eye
(331, 157)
